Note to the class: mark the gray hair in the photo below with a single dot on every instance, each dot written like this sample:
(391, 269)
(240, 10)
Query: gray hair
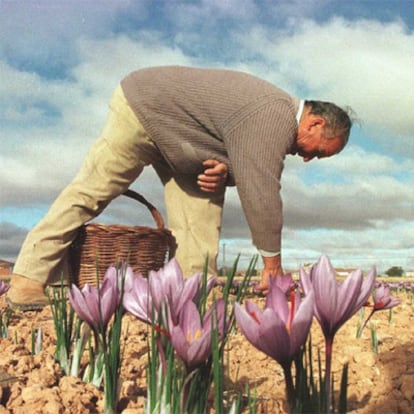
(338, 120)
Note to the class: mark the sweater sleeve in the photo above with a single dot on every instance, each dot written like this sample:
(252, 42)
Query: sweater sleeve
(257, 146)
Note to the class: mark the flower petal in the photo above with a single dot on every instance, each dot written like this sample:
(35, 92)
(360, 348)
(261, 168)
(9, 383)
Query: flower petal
(190, 318)
(274, 337)
(325, 286)
(80, 306)
(189, 291)
(199, 350)
(276, 300)
(302, 322)
(248, 320)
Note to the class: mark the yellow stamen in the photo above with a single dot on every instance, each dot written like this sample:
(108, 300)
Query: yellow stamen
(197, 335)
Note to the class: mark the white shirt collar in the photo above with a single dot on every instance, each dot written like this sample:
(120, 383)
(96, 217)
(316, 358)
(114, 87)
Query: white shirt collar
(300, 110)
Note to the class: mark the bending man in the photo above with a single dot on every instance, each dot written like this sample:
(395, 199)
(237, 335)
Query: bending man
(202, 130)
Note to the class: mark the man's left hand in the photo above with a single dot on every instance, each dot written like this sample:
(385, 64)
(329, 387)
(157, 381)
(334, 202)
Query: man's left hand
(214, 176)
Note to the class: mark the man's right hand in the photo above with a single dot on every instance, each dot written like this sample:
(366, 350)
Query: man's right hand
(272, 268)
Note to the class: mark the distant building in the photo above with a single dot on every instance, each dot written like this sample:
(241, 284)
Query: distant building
(409, 273)
(344, 272)
(6, 268)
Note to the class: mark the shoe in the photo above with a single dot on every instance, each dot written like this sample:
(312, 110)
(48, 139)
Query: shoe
(26, 294)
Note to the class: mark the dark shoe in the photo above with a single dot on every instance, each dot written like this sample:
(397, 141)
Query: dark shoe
(26, 294)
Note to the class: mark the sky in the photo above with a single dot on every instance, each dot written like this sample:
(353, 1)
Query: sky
(60, 61)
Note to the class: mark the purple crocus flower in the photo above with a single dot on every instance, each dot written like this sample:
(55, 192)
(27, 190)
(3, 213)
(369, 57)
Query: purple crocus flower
(336, 302)
(4, 287)
(165, 287)
(285, 282)
(191, 337)
(121, 275)
(383, 299)
(137, 299)
(169, 285)
(95, 306)
(279, 330)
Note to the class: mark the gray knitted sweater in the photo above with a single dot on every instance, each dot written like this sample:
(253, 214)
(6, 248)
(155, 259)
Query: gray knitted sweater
(197, 114)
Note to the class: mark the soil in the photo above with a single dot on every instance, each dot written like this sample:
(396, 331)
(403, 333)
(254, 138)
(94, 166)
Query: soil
(381, 382)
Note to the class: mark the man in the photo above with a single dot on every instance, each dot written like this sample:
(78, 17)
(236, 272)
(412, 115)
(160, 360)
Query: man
(202, 130)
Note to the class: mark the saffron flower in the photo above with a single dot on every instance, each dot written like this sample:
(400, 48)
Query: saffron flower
(137, 299)
(279, 330)
(4, 287)
(285, 282)
(191, 336)
(96, 305)
(168, 285)
(335, 303)
(121, 275)
(383, 299)
(165, 287)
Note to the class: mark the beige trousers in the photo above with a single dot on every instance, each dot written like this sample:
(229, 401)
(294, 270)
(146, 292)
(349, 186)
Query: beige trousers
(115, 160)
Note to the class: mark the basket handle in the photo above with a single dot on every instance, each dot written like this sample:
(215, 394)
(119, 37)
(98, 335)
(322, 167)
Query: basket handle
(155, 213)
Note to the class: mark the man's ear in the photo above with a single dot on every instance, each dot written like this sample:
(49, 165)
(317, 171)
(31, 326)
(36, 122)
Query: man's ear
(317, 120)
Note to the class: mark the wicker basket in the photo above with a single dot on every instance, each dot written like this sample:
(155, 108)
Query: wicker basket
(99, 246)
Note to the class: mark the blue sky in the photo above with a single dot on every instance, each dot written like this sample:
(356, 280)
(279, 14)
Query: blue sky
(61, 60)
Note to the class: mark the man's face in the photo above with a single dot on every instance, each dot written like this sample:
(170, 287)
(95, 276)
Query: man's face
(311, 143)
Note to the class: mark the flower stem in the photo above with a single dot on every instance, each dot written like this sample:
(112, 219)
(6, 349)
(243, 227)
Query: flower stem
(290, 389)
(328, 365)
(359, 333)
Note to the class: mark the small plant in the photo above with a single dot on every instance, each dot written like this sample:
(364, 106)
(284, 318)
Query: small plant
(374, 338)
(188, 336)
(360, 325)
(4, 314)
(382, 300)
(37, 341)
(390, 316)
(98, 306)
(63, 319)
(335, 303)
(280, 330)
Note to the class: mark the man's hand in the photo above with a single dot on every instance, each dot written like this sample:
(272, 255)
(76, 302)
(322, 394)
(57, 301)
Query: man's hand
(214, 176)
(272, 268)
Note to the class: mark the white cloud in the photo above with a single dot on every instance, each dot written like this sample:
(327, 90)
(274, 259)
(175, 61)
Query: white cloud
(366, 64)
(356, 248)
(12, 237)
(57, 148)
(40, 34)
(359, 202)
(105, 62)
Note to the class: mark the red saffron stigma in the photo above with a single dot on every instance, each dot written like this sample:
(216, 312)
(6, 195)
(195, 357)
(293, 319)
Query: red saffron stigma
(254, 316)
(161, 331)
(292, 310)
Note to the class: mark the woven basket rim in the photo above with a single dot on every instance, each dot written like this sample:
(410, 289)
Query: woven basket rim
(95, 227)
(111, 242)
